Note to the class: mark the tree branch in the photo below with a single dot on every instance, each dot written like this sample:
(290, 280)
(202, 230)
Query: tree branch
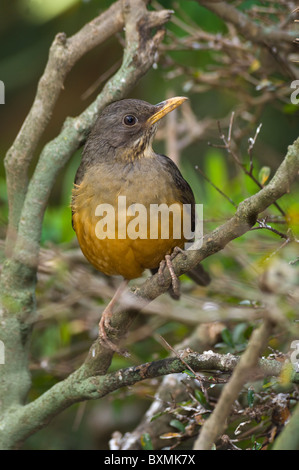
(248, 28)
(40, 412)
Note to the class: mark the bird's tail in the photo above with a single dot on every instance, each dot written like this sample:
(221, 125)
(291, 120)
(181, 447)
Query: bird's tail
(199, 275)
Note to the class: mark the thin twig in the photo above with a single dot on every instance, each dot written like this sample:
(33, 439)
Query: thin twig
(215, 187)
(102, 78)
(228, 147)
(263, 225)
(251, 145)
(180, 357)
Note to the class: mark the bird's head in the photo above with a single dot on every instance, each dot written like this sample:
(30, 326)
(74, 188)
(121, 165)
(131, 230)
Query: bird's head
(126, 128)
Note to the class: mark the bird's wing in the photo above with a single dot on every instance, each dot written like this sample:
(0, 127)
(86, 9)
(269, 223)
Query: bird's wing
(184, 192)
(186, 196)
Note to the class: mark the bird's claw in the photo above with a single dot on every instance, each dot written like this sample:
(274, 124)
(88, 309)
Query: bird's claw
(177, 250)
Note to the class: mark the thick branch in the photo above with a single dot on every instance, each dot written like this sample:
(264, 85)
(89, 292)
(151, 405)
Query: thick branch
(39, 413)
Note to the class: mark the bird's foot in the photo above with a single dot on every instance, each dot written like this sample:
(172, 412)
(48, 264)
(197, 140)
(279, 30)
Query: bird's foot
(177, 250)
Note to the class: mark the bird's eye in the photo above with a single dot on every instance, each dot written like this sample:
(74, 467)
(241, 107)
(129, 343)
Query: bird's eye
(130, 120)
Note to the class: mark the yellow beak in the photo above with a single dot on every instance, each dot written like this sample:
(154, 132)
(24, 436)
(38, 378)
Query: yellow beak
(164, 108)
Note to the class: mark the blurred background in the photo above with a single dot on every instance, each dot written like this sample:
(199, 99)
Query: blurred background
(221, 73)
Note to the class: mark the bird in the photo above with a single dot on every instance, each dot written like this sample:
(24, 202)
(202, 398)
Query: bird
(119, 164)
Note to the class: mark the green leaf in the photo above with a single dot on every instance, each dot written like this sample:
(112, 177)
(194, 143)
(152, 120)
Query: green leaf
(255, 445)
(264, 174)
(200, 397)
(267, 385)
(250, 398)
(227, 337)
(146, 442)
(157, 415)
(175, 423)
(188, 372)
(238, 334)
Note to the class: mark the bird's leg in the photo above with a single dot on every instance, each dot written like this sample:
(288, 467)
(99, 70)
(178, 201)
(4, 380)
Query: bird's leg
(174, 279)
(160, 271)
(106, 317)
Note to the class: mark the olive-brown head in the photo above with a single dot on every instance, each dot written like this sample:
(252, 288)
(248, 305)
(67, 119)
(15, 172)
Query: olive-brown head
(125, 129)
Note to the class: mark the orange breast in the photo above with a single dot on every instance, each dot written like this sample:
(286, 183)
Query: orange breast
(124, 254)
(126, 257)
